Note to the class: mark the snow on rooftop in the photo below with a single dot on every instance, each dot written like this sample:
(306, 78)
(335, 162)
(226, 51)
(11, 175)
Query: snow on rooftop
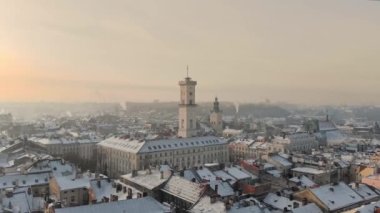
(137, 146)
(146, 179)
(364, 191)
(24, 180)
(205, 206)
(206, 174)
(225, 176)
(239, 174)
(183, 189)
(57, 167)
(21, 201)
(122, 144)
(66, 183)
(369, 208)
(308, 170)
(303, 181)
(309, 208)
(146, 204)
(105, 189)
(284, 162)
(224, 188)
(337, 196)
(280, 202)
(180, 143)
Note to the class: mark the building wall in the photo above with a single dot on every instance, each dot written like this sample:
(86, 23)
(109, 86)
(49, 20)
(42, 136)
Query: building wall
(84, 150)
(117, 162)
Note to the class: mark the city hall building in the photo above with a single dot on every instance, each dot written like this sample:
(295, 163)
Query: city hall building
(120, 155)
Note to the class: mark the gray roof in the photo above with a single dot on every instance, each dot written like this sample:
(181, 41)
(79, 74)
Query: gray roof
(337, 196)
(146, 204)
(136, 146)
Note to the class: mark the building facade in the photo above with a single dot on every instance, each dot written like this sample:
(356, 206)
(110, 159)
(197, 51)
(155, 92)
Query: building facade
(118, 156)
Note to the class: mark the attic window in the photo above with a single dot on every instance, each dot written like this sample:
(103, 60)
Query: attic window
(36, 180)
(4, 184)
(159, 146)
(170, 146)
(164, 146)
(24, 182)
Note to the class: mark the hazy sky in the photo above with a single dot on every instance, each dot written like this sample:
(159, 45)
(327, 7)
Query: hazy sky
(305, 51)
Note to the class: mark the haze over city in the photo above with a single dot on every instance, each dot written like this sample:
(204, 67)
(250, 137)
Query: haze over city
(303, 52)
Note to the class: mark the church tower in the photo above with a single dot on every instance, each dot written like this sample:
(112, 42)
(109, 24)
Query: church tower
(216, 119)
(187, 126)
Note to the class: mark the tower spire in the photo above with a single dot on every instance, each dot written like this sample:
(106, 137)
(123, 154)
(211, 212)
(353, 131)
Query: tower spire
(187, 71)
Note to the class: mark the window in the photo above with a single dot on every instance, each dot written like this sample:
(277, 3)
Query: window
(190, 102)
(191, 123)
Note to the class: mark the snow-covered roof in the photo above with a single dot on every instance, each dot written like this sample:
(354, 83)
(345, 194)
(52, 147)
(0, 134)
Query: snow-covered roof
(304, 181)
(369, 208)
(309, 208)
(232, 131)
(57, 166)
(65, 183)
(224, 188)
(246, 142)
(308, 170)
(146, 204)
(63, 140)
(184, 189)
(139, 146)
(122, 144)
(364, 191)
(337, 196)
(275, 173)
(24, 180)
(181, 143)
(280, 202)
(239, 174)
(283, 161)
(225, 176)
(21, 201)
(146, 179)
(105, 189)
(205, 206)
(206, 174)
(326, 126)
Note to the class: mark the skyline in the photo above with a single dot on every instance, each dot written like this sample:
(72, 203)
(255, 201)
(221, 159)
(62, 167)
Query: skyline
(300, 52)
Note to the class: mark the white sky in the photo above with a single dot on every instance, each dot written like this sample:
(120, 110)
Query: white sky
(304, 51)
